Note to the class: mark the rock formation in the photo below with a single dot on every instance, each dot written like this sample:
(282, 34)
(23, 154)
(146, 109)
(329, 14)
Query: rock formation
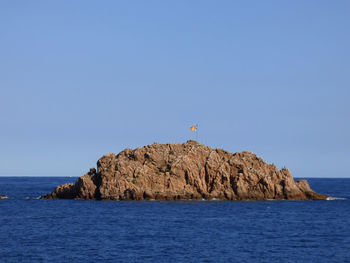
(3, 196)
(182, 172)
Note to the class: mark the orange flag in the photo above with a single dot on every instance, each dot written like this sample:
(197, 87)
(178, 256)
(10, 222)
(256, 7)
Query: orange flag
(194, 127)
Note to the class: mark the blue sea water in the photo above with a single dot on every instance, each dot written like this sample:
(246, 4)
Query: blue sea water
(33, 230)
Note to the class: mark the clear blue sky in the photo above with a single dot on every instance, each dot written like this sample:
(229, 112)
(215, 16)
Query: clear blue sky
(82, 78)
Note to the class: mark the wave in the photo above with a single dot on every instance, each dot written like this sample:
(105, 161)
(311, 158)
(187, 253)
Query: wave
(32, 198)
(331, 198)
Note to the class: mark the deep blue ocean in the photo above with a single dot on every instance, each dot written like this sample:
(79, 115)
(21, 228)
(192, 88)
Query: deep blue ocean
(33, 230)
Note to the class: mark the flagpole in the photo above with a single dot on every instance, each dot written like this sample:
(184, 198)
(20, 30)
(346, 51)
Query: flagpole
(194, 128)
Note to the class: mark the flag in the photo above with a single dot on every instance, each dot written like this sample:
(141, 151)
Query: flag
(194, 127)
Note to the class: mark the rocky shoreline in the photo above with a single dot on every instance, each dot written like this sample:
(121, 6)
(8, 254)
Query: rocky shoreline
(188, 171)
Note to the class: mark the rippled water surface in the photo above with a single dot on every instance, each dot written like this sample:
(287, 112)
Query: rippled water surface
(33, 230)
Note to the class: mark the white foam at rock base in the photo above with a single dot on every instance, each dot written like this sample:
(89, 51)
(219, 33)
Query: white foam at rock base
(330, 198)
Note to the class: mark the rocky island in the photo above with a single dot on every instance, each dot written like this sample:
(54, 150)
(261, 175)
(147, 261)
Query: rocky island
(188, 171)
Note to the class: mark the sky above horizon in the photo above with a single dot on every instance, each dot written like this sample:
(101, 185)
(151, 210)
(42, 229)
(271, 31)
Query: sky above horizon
(82, 78)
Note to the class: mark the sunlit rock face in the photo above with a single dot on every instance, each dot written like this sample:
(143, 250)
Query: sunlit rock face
(183, 172)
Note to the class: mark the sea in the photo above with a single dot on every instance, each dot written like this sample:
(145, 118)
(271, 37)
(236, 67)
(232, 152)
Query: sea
(35, 230)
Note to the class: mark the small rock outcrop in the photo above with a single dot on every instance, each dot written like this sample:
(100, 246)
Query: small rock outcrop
(183, 172)
(3, 197)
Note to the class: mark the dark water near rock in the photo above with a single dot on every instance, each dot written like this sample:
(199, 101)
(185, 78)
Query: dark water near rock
(33, 230)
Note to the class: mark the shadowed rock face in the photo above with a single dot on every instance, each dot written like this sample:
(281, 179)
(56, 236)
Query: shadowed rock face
(182, 172)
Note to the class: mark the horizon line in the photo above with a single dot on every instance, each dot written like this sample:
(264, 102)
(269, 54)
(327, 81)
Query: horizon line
(48, 176)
